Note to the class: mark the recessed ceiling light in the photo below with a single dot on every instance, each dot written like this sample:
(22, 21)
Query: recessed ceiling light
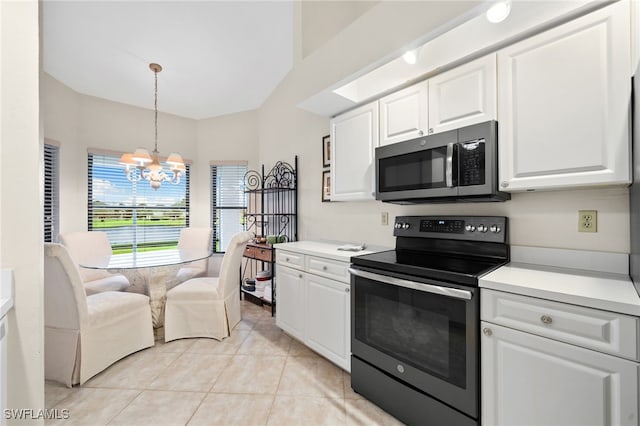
(499, 11)
(411, 56)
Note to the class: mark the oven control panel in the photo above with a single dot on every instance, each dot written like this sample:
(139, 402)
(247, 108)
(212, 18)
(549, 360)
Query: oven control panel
(474, 228)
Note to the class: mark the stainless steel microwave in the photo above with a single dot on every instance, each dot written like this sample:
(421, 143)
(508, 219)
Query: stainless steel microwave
(458, 165)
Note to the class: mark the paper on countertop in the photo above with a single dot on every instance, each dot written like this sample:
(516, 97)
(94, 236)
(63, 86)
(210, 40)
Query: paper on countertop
(352, 247)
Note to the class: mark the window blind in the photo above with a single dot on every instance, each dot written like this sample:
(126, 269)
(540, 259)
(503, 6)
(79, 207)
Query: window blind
(228, 203)
(51, 193)
(135, 216)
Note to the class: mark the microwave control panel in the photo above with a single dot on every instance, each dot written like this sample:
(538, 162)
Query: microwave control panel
(471, 163)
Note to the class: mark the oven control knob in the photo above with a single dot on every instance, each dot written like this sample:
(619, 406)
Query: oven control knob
(470, 228)
(398, 225)
(482, 228)
(495, 228)
(405, 225)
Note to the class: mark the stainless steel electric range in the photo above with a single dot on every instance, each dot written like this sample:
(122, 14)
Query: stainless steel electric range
(415, 317)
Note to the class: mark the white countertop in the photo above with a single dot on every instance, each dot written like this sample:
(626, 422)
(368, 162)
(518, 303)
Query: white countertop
(327, 249)
(6, 291)
(600, 290)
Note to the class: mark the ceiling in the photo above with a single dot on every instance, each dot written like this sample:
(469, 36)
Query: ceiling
(218, 57)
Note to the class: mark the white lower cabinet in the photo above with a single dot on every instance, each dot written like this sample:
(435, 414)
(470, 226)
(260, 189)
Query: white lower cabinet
(291, 293)
(314, 304)
(328, 313)
(532, 380)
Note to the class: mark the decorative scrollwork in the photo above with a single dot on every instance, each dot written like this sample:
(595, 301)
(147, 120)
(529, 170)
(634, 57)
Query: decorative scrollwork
(282, 175)
(252, 180)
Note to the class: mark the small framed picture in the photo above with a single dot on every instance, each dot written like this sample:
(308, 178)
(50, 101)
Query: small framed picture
(326, 151)
(326, 186)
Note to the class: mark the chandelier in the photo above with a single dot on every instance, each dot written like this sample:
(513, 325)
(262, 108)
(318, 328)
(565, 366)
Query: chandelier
(142, 165)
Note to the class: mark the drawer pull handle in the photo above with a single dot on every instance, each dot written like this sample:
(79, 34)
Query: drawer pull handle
(487, 331)
(347, 290)
(324, 268)
(546, 319)
(286, 258)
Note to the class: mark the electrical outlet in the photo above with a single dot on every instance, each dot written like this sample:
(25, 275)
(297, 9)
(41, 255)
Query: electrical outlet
(384, 218)
(587, 221)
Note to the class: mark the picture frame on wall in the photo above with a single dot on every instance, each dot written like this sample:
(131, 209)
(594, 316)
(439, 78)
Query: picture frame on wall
(326, 186)
(326, 151)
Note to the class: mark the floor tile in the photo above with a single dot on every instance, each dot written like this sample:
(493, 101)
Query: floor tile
(191, 372)
(159, 408)
(311, 376)
(232, 409)
(266, 340)
(300, 410)
(136, 371)
(55, 392)
(94, 407)
(251, 374)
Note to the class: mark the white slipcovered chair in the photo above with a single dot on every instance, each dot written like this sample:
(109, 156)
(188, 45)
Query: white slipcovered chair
(208, 306)
(84, 248)
(194, 239)
(86, 334)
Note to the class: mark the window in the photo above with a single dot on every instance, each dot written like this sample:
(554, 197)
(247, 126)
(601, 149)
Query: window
(228, 203)
(135, 216)
(51, 193)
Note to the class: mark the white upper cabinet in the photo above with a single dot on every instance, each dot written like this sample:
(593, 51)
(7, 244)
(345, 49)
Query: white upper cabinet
(456, 98)
(354, 137)
(463, 96)
(563, 105)
(403, 114)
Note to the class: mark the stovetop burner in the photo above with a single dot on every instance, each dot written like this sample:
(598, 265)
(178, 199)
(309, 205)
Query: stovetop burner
(452, 248)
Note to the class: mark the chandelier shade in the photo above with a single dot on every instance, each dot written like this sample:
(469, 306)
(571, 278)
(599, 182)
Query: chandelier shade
(141, 164)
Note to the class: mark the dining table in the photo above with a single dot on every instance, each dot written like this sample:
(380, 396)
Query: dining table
(149, 272)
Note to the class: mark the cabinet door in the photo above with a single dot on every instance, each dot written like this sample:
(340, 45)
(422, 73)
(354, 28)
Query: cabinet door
(354, 137)
(328, 319)
(530, 380)
(403, 114)
(563, 105)
(290, 315)
(463, 96)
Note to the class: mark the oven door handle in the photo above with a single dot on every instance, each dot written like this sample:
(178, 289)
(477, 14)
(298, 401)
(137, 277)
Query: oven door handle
(435, 289)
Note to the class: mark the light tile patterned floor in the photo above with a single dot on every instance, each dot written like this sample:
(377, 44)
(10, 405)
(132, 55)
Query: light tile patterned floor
(258, 376)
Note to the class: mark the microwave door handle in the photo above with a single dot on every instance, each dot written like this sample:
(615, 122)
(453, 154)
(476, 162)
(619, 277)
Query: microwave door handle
(430, 288)
(449, 170)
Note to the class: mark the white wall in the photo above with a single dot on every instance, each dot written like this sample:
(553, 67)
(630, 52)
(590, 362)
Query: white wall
(21, 227)
(537, 219)
(232, 137)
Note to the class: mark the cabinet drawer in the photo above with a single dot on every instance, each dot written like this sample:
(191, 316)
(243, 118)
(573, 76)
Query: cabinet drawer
(249, 251)
(605, 331)
(294, 260)
(328, 268)
(263, 254)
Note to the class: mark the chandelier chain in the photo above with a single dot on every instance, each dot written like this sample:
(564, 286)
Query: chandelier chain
(155, 107)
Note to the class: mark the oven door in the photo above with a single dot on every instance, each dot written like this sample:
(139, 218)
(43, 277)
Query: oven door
(424, 333)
